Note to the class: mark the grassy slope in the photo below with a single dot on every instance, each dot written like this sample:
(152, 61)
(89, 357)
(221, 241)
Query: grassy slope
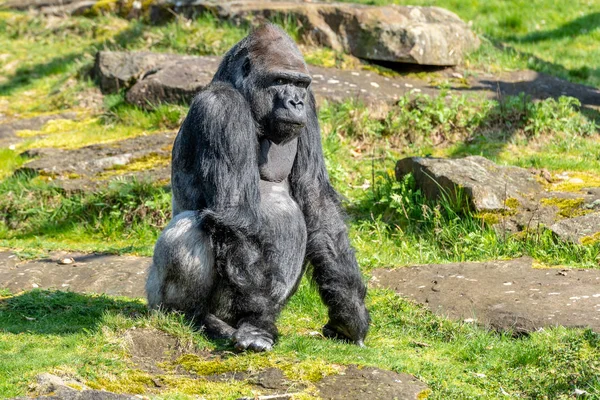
(44, 72)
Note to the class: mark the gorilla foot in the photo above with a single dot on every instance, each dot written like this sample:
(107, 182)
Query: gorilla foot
(249, 337)
(334, 331)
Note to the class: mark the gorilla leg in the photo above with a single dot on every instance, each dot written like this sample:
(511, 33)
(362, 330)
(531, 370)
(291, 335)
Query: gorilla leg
(183, 274)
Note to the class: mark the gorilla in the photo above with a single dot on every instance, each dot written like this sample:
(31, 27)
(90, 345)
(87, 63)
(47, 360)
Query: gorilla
(253, 204)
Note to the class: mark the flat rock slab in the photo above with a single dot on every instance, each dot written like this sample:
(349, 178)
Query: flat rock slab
(90, 273)
(90, 166)
(504, 295)
(370, 383)
(407, 34)
(8, 130)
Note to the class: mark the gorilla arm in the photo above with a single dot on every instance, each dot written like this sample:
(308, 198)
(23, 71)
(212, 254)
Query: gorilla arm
(335, 269)
(215, 161)
(215, 171)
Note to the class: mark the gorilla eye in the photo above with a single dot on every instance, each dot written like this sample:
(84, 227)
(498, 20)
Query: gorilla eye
(281, 81)
(301, 84)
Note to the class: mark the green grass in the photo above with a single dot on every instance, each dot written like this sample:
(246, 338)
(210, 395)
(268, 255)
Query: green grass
(559, 38)
(44, 69)
(82, 335)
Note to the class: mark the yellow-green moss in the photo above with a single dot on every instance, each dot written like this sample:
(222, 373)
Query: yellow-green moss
(305, 371)
(132, 381)
(120, 7)
(69, 134)
(512, 203)
(145, 163)
(490, 218)
(590, 240)
(567, 208)
(325, 57)
(576, 182)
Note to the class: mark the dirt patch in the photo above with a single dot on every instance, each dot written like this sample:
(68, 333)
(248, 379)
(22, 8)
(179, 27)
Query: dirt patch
(370, 383)
(504, 295)
(150, 347)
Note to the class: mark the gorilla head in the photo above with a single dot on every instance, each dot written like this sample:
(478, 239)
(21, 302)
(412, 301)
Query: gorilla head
(269, 70)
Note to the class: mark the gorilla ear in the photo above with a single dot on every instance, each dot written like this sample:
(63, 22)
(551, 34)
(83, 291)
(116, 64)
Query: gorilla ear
(246, 68)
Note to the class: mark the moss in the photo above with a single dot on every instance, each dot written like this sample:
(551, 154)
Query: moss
(133, 381)
(590, 240)
(208, 390)
(120, 7)
(69, 134)
(145, 163)
(512, 203)
(490, 218)
(576, 182)
(567, 208)
(325, 57)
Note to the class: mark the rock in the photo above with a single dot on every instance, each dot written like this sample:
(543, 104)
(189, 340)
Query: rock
(8, 130)
(487, 186)
(90, 166)
(91, 273)
(172, 77)
(50, 386)
(117, 70)
(158, 78)
(504, 295)
(370, 383)
(52, 7)
(417, 35)
(579, 229)
(177, 82)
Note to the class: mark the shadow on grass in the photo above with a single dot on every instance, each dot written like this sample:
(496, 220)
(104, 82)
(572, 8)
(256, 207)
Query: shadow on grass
(60, 313)
(576, 27)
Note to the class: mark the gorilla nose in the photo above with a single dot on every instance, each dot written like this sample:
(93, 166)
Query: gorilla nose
(294, 104)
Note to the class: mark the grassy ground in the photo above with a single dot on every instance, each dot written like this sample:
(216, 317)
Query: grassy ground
(43, 70)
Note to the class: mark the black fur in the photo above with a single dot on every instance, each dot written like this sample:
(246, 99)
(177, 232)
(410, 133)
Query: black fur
(252, 204)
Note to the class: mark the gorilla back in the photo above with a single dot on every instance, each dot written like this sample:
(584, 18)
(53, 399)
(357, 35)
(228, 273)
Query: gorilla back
(252, 204)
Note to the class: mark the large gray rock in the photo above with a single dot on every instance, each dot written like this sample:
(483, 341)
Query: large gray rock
(511, 198)
(582, 229)
(486, 185)
(417, 35)
(89, 273)
(177, 83)
(501, 294)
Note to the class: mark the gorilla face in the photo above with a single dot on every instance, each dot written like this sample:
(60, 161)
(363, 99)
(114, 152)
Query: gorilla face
(289, 92)
(275, 81)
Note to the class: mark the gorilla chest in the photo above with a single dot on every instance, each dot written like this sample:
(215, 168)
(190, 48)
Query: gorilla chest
(275, 161)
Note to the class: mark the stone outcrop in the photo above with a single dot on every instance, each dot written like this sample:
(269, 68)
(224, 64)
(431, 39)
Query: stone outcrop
(152, 78)
(501, 294)
(416, 35)
(512, 198)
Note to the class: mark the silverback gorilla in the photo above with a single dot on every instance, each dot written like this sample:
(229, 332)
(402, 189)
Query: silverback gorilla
(252, 204)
